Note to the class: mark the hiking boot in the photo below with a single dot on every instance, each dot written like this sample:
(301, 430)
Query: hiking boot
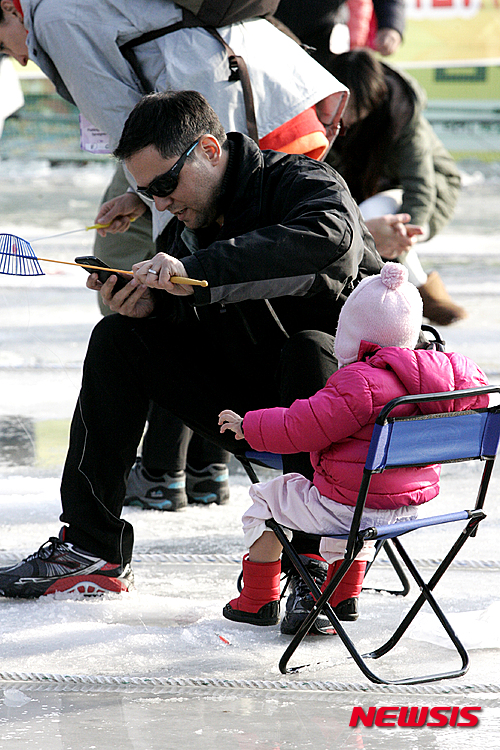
(438, 305)
(61, 568)
(208, 485)
(161, 493)
(300, 600)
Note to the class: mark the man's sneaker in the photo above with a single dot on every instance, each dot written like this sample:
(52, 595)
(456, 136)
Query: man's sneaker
(61, 568)
(165, 493)
(300, 602)
(208, 485)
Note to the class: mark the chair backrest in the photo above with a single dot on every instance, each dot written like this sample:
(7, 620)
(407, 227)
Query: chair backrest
(434, 438)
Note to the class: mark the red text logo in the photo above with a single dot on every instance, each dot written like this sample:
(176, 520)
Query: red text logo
(415, 716)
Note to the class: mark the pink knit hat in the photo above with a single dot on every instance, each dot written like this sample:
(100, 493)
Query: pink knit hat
(384, 309)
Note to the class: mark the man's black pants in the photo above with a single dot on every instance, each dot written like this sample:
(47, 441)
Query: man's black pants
(193, 372)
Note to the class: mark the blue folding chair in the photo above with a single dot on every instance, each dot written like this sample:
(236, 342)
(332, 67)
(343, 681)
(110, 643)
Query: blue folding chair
(397, 442)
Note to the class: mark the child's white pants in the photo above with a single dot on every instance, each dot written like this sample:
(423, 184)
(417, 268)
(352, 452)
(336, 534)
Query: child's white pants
(296, 503)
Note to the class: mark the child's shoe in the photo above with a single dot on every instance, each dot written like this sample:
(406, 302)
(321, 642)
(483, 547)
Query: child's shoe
(344, 599)
(258, 603)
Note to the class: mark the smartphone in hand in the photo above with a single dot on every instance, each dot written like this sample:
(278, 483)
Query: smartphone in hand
(103, 275)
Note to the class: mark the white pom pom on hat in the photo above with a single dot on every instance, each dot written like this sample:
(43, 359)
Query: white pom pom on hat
(385, 309)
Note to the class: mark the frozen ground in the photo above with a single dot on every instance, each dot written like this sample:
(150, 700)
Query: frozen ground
(160, 667)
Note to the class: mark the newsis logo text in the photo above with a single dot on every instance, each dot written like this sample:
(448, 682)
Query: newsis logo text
(415, 716)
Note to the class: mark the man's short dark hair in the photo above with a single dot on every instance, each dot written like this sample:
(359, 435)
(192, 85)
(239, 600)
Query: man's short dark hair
(170, 122)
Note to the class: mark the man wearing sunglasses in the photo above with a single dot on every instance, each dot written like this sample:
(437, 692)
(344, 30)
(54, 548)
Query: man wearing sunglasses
(281, 243)
(164, 184)
(202, 205)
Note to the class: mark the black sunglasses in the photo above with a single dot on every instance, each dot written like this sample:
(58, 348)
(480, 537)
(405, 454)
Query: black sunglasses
(164, 184)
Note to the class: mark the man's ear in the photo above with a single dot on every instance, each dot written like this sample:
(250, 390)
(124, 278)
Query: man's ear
(211, 149)
(7, 6)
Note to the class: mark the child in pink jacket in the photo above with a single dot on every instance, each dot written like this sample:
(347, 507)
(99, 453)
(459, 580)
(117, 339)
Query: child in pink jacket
(375, 346)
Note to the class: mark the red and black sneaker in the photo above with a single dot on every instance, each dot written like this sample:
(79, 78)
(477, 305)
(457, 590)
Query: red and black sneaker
(61, 568)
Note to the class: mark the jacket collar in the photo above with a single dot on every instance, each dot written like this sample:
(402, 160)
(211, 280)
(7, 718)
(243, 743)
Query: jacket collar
(366, 350)
(241, 201)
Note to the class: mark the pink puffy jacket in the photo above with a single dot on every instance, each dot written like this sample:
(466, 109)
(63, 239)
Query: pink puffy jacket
(335, 425)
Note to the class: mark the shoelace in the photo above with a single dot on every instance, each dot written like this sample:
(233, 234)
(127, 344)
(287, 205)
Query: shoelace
(46, 550)
(301, 588)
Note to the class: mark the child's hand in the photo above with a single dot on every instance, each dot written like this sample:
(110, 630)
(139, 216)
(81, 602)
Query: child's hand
(229, 420)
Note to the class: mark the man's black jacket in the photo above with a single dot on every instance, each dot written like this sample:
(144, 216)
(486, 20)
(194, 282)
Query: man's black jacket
(292, 235)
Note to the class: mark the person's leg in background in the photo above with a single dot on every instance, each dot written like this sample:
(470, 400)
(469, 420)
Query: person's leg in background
(125, 369)
(207, 474)
(438, 306)
(124, 249)
(158, 478)
(176, 467)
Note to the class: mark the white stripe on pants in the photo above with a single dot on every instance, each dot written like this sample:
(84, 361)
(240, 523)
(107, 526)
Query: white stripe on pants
(296, 503)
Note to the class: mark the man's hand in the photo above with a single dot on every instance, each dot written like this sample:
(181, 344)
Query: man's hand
(393, 235)
(229, 420)
(134, 300)
(156, 273)
(119, 212)
(387, 41)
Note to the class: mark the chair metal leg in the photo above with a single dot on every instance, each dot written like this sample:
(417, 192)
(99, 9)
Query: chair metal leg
(322, 605)
(252, 475)
(426, 589)
(386, 546)
(426, 595)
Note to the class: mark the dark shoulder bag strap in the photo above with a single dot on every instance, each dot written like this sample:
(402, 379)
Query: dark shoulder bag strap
(239, 71)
